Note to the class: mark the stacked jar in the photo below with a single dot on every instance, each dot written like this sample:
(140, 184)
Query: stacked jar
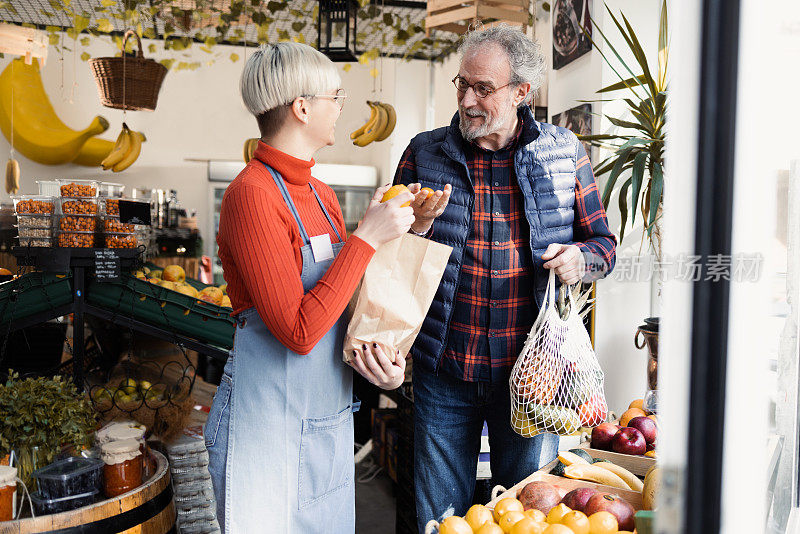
(35, 220)
(78, 213)
(122, 469)
(115, 233)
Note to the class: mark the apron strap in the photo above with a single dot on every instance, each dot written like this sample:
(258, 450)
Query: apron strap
(325, 211)
(292, 208)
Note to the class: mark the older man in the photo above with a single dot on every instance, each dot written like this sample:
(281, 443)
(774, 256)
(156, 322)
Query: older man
(514, 198)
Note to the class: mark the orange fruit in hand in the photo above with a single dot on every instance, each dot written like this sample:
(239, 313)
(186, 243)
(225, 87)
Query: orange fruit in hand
(603, 523)
(577, 521)
(638, 403)
(506, 505)
(429, 190)
(509, 519)
(528, 526)
(394, 191)
(629, 414)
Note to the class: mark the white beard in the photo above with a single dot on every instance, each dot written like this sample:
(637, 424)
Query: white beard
(490, 124)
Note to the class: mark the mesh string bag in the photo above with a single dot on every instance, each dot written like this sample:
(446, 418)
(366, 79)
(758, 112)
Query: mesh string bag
(556, 384)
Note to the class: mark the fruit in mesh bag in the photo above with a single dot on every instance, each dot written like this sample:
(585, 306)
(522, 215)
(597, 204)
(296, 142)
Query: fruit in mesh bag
(522, 424)
(539, 382)
(593, 412)
(555, 419)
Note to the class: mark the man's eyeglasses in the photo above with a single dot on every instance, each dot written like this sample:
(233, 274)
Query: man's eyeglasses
(482, 90)
(339, 97)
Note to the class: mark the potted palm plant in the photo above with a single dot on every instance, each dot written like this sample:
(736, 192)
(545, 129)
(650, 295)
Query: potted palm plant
(635, 166)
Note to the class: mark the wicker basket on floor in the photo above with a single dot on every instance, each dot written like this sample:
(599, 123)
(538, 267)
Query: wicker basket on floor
(130, 83)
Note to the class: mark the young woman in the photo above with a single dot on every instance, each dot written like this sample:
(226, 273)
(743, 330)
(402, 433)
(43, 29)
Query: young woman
(280, 430)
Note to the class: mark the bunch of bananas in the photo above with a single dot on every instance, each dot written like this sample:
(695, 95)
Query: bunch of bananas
(126, 150)
(250, 149)
(12, 176)
(378, 127)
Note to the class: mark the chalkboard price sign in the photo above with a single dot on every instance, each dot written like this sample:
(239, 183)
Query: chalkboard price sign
(107, 265)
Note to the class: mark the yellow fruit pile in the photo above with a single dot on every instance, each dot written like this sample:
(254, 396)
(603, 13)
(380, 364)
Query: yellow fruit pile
(173, 277)
(378, 127)
(509, 517)
(130, 391)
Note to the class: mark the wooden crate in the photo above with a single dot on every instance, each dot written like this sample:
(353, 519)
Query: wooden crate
(457, 15)
(565, 485)
(638, 465)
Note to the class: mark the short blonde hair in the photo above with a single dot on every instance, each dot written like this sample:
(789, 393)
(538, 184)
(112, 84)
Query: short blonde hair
(278, 73)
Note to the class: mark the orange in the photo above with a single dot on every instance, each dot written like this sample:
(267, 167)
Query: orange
(6, 272)
(557, 512)
(577, 521)
(509, 519)
(638, 403)
(477, 515)
(536, 515)
(429, 190)
(528, 526)
(490, 527)
(603, 523)
(394, 191)
(454, 525)
(629, 414)
(506, 505)
(654, 417)
(558, 529)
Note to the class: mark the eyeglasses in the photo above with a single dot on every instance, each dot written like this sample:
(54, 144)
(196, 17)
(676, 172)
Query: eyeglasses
(339, 97)
(482, 90)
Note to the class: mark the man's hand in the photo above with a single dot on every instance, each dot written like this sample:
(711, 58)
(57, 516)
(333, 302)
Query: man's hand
(427, 206)
(566, 260)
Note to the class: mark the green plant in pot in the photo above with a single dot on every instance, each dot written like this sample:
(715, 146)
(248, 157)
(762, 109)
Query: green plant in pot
(635, 167)
(40, 417)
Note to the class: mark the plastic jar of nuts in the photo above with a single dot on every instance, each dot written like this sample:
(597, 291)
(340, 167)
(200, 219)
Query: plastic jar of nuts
(34, 205)
(120, 240)
(36, 241)
(75, 206)
(28, 231)
(112, 225)
(80, 223)
(78, 188)
(111, 206)
(76, 239)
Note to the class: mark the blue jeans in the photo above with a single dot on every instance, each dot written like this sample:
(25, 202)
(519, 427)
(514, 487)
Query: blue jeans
(448, 419)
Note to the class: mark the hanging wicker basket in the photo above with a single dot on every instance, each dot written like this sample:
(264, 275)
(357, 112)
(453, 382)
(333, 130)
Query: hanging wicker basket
(130, 83)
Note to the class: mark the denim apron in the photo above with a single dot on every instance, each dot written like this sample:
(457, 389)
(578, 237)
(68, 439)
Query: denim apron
(280, 430)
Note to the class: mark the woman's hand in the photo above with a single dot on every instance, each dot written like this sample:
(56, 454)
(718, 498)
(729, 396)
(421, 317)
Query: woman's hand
(427, 206)
(373, 364)
(387, 221)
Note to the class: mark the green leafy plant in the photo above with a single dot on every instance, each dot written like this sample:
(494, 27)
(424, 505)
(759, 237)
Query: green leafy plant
(640, 147)
(47, 413)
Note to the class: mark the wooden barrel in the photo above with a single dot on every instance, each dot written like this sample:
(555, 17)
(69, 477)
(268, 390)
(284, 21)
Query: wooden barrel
(149, 509)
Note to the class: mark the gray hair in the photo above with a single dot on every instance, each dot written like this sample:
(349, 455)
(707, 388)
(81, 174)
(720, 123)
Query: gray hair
(524, 55)
(278, 73)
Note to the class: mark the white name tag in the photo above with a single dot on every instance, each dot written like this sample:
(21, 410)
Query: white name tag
(321, 247)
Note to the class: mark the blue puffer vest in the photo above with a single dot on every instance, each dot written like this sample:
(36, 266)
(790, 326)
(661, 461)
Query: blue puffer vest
(544, 165)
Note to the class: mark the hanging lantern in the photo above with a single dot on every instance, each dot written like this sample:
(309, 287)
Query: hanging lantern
(337, 29)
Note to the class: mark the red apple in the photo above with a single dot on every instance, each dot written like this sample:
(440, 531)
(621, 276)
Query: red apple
(613, 504)
(602, 435)
(629, 441)
(577, 498)
(646, 426)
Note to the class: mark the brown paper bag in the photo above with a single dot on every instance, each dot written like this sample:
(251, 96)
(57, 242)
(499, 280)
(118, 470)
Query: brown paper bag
(396, 291)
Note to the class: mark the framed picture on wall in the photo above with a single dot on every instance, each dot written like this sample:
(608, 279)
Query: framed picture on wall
(569, 41)
(579, 121)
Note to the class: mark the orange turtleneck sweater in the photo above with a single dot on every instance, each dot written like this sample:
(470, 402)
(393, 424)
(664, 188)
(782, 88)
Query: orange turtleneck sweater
(259, 246)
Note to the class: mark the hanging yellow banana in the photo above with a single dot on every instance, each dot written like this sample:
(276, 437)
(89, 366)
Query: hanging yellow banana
(250, 149)
(136, 140)
(39, 134)
(373, 115)
(12, 177)
(374, 129)
(392, 120)
(121, 148)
